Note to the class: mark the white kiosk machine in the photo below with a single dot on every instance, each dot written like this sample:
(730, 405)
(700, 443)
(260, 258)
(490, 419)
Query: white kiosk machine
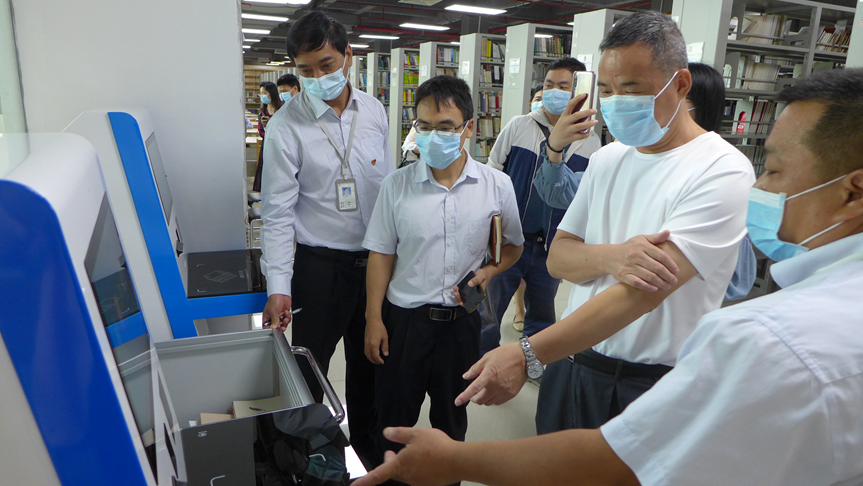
(112, 408)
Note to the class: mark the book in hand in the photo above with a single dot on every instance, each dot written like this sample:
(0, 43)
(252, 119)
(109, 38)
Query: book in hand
(495, 241)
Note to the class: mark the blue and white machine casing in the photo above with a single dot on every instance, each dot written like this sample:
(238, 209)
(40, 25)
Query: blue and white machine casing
(95, 126)
(75, 192)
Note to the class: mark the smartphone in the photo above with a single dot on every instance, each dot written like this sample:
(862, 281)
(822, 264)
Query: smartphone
(470, 296)
(583, 82)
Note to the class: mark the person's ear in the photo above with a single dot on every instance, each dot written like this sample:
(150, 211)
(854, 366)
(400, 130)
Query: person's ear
(469, 129)
(349, 54)
(683, 82)
(852, 187)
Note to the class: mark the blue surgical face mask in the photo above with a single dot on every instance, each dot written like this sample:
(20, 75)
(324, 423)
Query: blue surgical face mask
(439, 149)
(329, 86)
(265, 99)
(555, 100)
(535, 105)
(285, 95)
(630, 118)
(765, 218)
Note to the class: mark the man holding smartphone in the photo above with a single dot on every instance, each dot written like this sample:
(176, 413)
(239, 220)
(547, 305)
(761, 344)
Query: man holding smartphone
(650, 241)
(430, 228)
(517, 153)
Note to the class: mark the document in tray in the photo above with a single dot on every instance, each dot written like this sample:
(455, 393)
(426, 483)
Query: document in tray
(495, 241)
(247, 408)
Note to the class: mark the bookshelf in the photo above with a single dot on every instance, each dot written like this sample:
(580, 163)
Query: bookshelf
(760, 47)
(404, 75)
(359, 73)
(530, 48)
(438, 58)
(482, 64)
(378, 76)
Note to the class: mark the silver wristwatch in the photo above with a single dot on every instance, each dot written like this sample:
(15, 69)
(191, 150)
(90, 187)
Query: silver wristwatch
(532, 366)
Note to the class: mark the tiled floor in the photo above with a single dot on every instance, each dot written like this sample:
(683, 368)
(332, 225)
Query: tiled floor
(512, 420)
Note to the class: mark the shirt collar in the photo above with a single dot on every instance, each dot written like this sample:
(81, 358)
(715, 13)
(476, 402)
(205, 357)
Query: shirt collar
(471, 170)
(801, 267)
(539, 115)
(319, 106)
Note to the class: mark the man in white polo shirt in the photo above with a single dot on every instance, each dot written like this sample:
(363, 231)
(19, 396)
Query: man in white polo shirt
(767, 392)
(429, 229)
(650, 241)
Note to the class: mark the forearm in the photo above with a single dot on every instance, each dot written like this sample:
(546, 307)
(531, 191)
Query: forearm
(378, 275)
(570, 457)
(556, 184)
(577, 262)
(509, 254)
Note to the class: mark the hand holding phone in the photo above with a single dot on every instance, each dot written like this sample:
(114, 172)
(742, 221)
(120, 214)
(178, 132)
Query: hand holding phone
(470, 296)
(583, 83)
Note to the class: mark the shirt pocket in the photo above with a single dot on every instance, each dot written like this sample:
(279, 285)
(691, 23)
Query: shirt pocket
(373, 153)
(478, 233)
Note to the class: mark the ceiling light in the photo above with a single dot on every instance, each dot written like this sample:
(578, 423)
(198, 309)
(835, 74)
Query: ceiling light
(263, 17)
(543, 36)
(251, 40)
(455, 43)
(256, 31)
(247, 47)
(384, 37)
(476, 10)
(570, 23)
(423, 26)
(360, 46)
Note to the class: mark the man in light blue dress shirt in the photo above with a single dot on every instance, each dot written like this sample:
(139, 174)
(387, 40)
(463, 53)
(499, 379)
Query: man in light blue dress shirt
(430, 228)
(767, 392)
(326, 154)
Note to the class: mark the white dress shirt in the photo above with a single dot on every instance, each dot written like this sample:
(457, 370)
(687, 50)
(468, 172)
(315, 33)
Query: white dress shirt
(437, 234)
(301, 167)
(699, 192)
(766, 392)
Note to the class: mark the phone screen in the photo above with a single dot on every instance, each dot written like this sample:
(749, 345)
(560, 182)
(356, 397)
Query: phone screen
(583, 82)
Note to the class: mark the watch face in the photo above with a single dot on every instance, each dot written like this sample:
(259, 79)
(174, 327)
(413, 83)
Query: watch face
(534, 371)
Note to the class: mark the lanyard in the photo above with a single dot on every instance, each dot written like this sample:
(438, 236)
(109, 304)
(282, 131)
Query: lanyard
(346, 158)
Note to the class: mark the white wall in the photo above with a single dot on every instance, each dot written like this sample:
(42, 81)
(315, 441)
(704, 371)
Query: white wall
(181, 60)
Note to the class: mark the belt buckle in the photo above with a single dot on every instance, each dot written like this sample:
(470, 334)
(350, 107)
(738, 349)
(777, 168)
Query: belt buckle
(448, 312)
(361, 262)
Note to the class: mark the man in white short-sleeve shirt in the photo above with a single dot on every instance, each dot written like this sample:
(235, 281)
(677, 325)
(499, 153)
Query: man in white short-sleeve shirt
(429, 230)
(767, 392)
(650, 241)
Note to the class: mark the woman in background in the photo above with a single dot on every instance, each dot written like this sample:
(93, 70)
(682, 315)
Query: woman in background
(270, 103)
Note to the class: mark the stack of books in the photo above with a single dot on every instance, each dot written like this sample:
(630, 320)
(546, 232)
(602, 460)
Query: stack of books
(491, 76)
(552, 46)
(492, 51)
(489, 100)
(835, 39)
(488, 127)
(447, 56)
(757, 25)
(412, 61)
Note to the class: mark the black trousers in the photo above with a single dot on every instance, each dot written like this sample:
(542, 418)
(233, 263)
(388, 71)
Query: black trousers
(330, 289)
(589, 391)
(425, 356)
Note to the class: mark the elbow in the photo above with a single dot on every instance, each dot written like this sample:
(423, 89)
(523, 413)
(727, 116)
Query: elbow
(552, 264)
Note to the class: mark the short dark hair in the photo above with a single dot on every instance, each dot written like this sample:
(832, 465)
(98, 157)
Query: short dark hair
(288, 79)
(536, 90)
(312, 32)
(275, 99)
(449, 91)
(708, 96)
(570, 63)
(655, 29)
(836, 138)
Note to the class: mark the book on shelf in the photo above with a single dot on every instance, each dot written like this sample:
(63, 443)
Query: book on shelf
(492, 51)
(384, 63)
(410, 78)
(446, 72)
(384, 78)
(836, 38)
(552, 46)
(754, 75)
(412, 61)
(491, 75)
(489, 100)
(447, 55)
(408, 96)
(482, 149)
(766, 25)
(751, 117)
(408, 114)
(488, 126)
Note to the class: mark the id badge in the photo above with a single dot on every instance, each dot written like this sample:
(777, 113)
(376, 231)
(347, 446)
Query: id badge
(346, 195)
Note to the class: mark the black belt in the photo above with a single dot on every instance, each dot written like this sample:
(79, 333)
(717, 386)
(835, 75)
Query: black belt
(538, 238)
(355, 258)
(443, 314)
(618, 367)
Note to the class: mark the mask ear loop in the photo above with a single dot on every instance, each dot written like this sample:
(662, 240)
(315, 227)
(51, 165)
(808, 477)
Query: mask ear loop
(807, 191)
(678, 103)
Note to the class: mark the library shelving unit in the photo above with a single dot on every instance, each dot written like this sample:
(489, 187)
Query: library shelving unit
(404, 75)
(482, 67)
(530, 48)
(438, 58)
(378, 76)
(359, 73)
(760, 47)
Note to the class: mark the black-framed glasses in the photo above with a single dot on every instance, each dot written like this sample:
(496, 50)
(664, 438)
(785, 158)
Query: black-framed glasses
(425, 128)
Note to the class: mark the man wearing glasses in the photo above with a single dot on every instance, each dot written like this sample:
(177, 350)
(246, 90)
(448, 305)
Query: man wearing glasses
(430, 228)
